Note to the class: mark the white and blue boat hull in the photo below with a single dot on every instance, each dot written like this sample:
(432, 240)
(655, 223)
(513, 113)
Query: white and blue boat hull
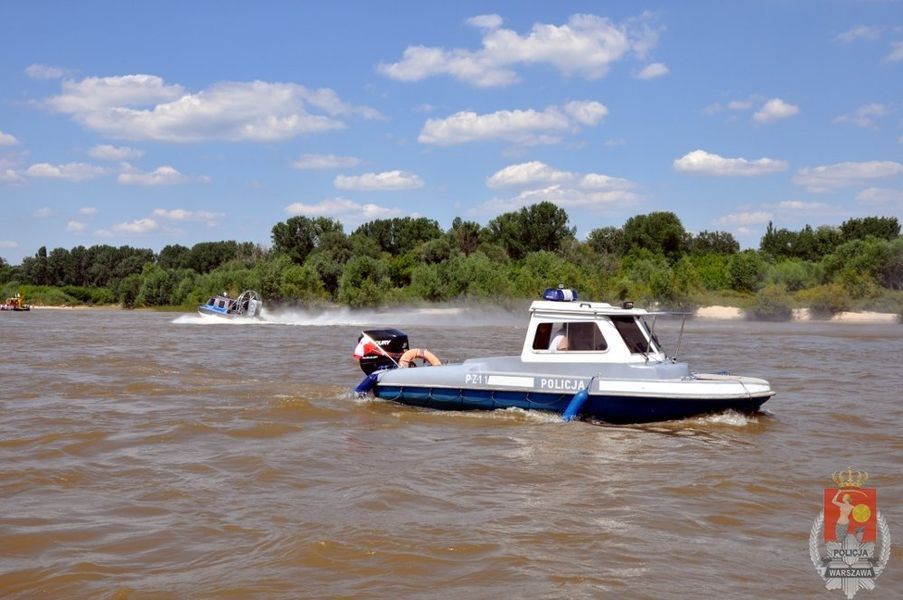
(618, 394)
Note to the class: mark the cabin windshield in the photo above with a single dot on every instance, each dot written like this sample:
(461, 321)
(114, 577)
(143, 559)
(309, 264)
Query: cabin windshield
(633, 336)
(576, 336)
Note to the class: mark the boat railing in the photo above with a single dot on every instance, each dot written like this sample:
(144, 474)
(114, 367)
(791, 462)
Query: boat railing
(654, 338)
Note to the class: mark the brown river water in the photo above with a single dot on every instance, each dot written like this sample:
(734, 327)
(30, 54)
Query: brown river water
(158, 455)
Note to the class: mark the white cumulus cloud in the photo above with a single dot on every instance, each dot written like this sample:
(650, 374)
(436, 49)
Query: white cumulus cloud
(136, 227)
(115, 153)
(87, 210)
(653, 70)
(587, 45)
(144, 107)
(485, 21)
(42, 213)
(11, 176)
(825, 178)
(801, 206)
(896, 52)
(75, 226)
(744, 218)
(700, 162)
(563, 196)
(860, 32)
(387, 180)
(735, 105)
(347, 211)
(864, 116)
(528, 173)
(37, 71)
(69, 171)
(774, 110)
(164, 175)
(324, 161)
(536, 173)
(528, 127)
(568, 189)
(8, 139)
(874, 196)
(8, 244)
(180, 214)
(586, 112)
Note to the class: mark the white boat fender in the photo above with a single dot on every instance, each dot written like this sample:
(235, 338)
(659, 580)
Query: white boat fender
(414, 353)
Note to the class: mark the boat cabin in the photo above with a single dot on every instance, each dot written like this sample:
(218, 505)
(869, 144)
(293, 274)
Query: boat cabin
(221, 304)
(570, 331)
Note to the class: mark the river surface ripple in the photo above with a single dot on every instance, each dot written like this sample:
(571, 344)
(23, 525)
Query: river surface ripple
(152, 455)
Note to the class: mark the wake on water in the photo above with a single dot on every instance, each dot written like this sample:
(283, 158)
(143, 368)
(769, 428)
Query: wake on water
(470, 316)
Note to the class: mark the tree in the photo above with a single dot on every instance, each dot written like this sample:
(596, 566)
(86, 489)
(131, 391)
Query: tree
(435, 251)
(35, 269)
(713, 242)
(465, 235)
(206, 256)
(6, 271)
(156, 288)
(608, 240)
(127, 290)
(777, 242)
(364, 282)
(173, 256)
(533, 228)
(659, 232)
(80, 262)
(857, 259)
(884, 228)
(893, 268)
(301, 283)
(399, 235)
(299, 236)
(506, 231)
(746, 271)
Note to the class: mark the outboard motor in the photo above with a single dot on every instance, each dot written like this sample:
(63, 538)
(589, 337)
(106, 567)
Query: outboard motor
(380, 349)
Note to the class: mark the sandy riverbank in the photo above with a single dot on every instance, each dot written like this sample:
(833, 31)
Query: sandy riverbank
(732, 313)
(106, 307)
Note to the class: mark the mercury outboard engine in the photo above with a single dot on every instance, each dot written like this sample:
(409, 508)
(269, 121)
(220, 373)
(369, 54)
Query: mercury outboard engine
(380, 349)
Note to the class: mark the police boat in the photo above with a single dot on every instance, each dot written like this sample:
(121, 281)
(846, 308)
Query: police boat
(246, 306)
(581, 359)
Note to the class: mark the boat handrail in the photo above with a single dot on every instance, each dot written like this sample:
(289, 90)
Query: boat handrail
(653, 338)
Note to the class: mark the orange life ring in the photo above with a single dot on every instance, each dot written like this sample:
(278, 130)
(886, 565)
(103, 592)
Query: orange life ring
(408, 357)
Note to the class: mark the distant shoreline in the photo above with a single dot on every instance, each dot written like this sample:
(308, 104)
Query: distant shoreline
(714, 313)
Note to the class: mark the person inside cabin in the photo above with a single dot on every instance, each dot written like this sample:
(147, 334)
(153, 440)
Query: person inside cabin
(559, 341)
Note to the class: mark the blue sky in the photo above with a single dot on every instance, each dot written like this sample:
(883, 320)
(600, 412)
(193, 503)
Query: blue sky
(172, 122)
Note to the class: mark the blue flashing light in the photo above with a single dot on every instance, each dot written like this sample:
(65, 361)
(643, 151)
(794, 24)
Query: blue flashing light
(560, 294)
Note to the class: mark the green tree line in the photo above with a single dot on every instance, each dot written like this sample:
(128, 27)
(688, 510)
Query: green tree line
(650, 258)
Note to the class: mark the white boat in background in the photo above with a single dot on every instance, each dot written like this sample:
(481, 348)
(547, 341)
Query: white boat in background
(587, 359)
(16, 304)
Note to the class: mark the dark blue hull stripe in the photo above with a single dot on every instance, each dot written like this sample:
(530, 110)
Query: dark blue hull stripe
(612, 409)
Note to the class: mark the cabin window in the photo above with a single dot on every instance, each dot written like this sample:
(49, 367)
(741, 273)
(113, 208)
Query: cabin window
(221, 303)
(576, 336)
(632, 334)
